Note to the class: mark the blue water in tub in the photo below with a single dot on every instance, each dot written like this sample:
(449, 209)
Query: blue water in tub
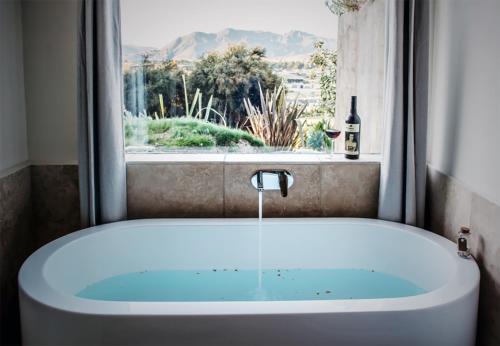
(228, 284)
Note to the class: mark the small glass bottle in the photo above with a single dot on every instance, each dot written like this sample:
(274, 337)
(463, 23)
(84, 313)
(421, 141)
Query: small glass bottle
(463, 242)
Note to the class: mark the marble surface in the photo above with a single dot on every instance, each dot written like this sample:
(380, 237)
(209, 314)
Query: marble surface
(241, 198)
(37, 204)
(223, 189)
(350, 190)
(56, 201)
(450, 205)
(269, 158)
(175, 190)
(485, 225)
(17, 242)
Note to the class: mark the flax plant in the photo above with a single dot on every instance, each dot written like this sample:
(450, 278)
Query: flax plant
(197, 101)
(275, 121)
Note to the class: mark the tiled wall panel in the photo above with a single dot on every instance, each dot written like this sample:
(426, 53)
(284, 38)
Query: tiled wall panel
(450, 205)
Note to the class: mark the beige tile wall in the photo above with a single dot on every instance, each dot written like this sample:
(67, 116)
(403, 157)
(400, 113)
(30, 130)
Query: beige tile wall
(241, 198)
(450, 205)
(223, 189)
(56, 201)
(17, 242)
(175, 190)
(37, 205)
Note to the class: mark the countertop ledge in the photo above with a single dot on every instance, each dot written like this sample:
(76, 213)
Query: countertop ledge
(157, 158)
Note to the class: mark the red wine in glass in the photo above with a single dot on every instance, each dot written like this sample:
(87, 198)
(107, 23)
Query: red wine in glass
(332, 134)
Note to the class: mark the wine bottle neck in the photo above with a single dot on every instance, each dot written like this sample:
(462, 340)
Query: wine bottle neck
(353, 104)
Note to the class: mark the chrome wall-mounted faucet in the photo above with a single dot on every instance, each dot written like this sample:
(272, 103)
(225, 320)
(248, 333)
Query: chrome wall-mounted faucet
(260, 180)
(273, 179)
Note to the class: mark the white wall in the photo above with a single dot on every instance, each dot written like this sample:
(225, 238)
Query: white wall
(50, 48)
(465, 94)
(360, 71)
(13, 142)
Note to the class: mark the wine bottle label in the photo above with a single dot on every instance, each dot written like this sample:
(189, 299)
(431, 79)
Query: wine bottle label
(351, 127)
(352, 142)
(351, 147)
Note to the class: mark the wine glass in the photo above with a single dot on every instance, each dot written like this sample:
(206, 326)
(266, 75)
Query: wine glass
(332, 134)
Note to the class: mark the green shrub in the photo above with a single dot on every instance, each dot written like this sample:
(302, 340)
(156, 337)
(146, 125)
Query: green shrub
(226, 138)
(229, 137)
(159, 126)
(186, 132)
(254, 141)
(316, 140)
(194, 140)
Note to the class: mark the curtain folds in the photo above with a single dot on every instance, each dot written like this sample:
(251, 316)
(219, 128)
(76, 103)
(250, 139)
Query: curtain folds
(403, 169)
(101, 152)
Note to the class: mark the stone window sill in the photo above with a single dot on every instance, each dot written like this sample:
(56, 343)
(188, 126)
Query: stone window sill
(280, 158)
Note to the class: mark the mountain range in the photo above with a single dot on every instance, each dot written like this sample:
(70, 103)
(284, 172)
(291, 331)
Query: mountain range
(291, 46)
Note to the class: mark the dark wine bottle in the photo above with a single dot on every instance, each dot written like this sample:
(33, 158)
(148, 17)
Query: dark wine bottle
(352, 132)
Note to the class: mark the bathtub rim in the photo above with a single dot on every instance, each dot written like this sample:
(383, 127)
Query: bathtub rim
(33, 285)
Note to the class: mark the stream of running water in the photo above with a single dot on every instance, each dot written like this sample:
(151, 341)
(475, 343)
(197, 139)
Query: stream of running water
(260, 242)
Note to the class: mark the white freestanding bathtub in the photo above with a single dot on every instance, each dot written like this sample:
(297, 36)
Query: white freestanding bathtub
(51, 314)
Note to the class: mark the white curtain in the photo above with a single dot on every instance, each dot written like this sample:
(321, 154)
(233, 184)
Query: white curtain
(103, 194)
(403, 170)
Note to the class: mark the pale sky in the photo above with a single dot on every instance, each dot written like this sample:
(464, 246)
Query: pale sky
(157, 22)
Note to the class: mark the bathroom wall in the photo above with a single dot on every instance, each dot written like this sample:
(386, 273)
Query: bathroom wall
(13, 137)
(51, 41)
(465, 94)
(50, 49)
(154, 190)
(37, 126)
(360, 71)
(56, 201)
(464, 161)
(40, 203)
(16, 235)
(220, 187)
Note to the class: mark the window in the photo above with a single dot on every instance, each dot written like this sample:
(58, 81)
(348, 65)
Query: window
(232, 76)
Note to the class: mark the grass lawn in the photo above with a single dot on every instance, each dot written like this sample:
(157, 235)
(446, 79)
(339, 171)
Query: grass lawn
(185, 133)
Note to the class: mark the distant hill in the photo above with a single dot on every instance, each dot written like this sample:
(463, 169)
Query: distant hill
(134, 53)
(293, 45)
